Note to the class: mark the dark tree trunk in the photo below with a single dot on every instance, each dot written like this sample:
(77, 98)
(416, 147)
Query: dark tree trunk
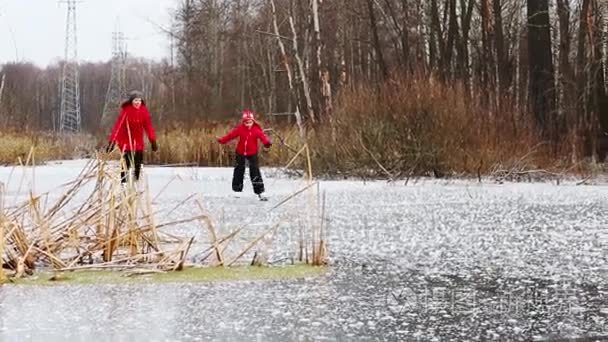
(451, 39)
(487, 63)
(436, 39)
(566, 78)
(581, 65)
(584, 121)
(541, 90)
(377, 46)
(405, 39)
(462, 58)
(599, 99)
(504, 74)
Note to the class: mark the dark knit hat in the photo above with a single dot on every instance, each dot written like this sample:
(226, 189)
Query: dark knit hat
(132, 95)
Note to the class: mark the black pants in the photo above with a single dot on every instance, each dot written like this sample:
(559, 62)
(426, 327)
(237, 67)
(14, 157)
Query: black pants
(254, 174)
(133, 159)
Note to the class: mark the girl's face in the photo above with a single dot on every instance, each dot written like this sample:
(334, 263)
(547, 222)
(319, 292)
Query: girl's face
(136, 102)
(249, 123)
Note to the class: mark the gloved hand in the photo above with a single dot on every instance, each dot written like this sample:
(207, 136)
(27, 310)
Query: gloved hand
(110, 147)
(268, 145)
(154, 145)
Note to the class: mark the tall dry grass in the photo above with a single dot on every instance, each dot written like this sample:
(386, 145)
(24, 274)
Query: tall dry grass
(197, 144)
(3, 277)
(117, 227)
(407, 127)
(421, 126)
(15, 146)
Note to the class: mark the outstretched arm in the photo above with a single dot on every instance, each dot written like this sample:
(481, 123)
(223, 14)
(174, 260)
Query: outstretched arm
(149, 129)
(228, 137)
(264, 138)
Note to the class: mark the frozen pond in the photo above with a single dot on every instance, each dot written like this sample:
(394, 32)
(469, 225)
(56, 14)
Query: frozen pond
(427, 261)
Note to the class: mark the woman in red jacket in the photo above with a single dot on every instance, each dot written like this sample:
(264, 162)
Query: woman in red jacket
(248, 132)
(128, 133)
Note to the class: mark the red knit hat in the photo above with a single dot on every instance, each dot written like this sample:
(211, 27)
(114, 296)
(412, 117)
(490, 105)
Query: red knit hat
(247, 115)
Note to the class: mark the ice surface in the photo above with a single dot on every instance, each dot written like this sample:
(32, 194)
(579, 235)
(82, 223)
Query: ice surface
(430, 260)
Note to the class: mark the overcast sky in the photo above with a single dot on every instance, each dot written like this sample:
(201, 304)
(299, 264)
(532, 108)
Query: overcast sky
(34, 30)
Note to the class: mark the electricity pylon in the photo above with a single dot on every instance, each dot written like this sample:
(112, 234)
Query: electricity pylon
(116, 87)
(69, 119)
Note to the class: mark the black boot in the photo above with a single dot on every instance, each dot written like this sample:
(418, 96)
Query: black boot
(255, 175)
(239, 172)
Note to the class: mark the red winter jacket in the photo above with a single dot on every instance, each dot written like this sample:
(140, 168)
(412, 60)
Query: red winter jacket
(128, 131)
(248, 139)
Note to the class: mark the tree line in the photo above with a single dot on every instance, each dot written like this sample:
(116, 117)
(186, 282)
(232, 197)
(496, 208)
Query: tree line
(543, 60)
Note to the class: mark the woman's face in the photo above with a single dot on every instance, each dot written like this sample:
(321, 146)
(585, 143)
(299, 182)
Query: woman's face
(249, 123)
(136, 102)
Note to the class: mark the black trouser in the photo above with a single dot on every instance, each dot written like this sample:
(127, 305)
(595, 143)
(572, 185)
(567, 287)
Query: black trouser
(132, 160)
(254, 174)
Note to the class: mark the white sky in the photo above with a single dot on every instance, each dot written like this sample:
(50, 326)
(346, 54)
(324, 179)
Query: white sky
(34, 30)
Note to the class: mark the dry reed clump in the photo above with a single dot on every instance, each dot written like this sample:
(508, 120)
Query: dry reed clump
(15, 146)
(197, 144)
(417, 127)
(109, 228)
(312, 246)
(96, 223)
(408, 127)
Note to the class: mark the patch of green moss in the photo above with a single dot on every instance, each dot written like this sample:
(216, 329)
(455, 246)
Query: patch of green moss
(188, 275)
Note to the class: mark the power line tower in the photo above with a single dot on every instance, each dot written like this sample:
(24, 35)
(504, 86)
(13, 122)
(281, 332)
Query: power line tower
(605, 41)
(69, 117)
(116, 86)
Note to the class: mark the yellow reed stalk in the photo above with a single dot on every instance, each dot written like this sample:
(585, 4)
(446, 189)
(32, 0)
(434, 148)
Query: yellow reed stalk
(109, 242)
(3, 278)
(255, 242)
(295, 157)
(211, 228)
(100, 192)
(150, 219)
(309, 163)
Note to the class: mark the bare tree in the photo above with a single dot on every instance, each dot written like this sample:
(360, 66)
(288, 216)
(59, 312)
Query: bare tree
(287, 67)
(286, 56)
(541, 84)
(377, 46)
(566, 72)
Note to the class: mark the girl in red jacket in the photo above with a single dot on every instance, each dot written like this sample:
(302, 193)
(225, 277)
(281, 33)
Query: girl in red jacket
(248, 132)
(128, 133)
